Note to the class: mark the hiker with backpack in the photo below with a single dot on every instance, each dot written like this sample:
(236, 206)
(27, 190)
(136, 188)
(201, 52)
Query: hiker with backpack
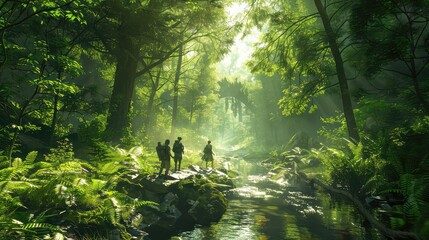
(208, 153)
(164, 154)
(178, 150)
(158, 151)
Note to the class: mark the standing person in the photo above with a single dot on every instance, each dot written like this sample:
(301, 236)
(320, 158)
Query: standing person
(208, 153)
(166, 157)
(159, 151)
(178, 150)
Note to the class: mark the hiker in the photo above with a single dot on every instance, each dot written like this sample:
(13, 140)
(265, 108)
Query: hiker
(208, 153)
(178, 150)
(165, 153)
(158, 151)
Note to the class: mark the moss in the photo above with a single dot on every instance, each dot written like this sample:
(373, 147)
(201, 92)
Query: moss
(189, 188)
(211, 205)
(209, 193)
(220, 179)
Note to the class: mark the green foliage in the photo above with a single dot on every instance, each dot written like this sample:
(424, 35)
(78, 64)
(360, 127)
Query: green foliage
(414, 189)
(61, 154)
(347, 168)
(30, 226)
(92, 131)
(73, 191)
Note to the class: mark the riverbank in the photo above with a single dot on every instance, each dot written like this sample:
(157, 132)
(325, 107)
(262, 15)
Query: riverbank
(266, 207)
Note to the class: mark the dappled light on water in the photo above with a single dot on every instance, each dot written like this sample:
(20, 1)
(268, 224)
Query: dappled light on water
(262, 208)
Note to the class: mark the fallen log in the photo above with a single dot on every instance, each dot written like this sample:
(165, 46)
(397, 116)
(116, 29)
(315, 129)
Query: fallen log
(387, 232)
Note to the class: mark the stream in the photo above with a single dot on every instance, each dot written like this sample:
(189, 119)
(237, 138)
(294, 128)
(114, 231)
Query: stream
(260, 208)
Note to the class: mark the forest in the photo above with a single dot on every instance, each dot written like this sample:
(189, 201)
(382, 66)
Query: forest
(334, 91)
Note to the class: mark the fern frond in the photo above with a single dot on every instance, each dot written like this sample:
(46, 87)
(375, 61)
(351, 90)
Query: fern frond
(411, 208)
(17, 162)
(112, 210)
(17, 187)
(72, 167)
(425, 192)
(16, 172)
(111, 167)
(145, 203)
(40, 226)
(96, 185)
(397, 223)
(121, 151)
(122, 198)
(407, 184)
(137, 150)
(31, 156)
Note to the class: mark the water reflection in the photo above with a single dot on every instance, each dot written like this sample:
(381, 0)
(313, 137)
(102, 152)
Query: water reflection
(260, 208)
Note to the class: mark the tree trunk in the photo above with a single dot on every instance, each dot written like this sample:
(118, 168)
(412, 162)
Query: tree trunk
(54, 120)
(154, 89)
(240, 111)
(123, 88)
(55, 114)
(420, 95)
(339, 64)
(176, 92)
(191, 112)
(20, 118)
(414, 75)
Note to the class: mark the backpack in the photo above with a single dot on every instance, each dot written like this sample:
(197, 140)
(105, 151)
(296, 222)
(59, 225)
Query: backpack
(177, 147)
(162, 153)
(208, 149)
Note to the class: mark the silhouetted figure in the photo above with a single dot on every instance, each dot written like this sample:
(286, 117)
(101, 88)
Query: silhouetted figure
(159, 151)
(165, 153)
(208, 153)
(178, 150)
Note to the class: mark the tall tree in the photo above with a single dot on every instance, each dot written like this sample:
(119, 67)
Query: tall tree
(341, 75)
(139, 24)
(176, 91)
(297, 48)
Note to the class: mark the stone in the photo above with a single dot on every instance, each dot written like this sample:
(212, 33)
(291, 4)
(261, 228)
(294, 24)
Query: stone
(158, 184)
(209, 207)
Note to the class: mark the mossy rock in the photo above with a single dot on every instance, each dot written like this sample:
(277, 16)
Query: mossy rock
(129, 187)
(210, 205)
(222, 178)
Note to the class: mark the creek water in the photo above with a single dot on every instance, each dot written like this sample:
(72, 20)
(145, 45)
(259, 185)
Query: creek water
(261, 209)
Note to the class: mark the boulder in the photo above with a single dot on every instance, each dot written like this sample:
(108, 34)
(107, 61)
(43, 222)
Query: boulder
(209, 207)
(127, 185)
(158, 184)
(183, 174)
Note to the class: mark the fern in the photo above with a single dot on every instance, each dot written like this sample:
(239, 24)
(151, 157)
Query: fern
(31, 157)
(411, 208)
(35, 226)
(397, 223)
(111, 168)
(145, 203)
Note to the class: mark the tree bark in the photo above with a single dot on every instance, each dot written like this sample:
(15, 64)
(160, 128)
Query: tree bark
(414, 75)
(240, 111)
(342, 79)
(123, 88)
(20, 118)
(191, 111)
(55, 114)
(176, 92)
(154, 89)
